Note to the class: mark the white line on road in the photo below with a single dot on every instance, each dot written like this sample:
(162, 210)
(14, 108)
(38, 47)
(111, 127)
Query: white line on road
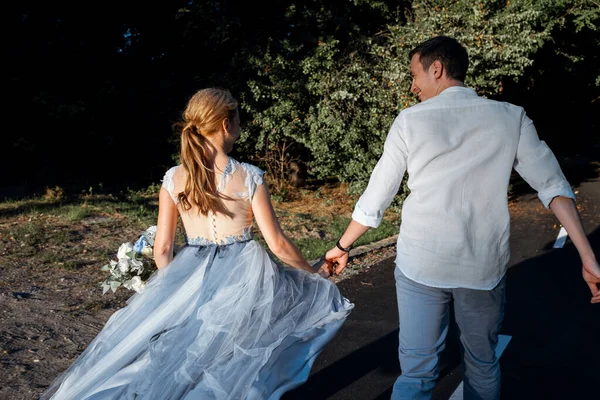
(502, 343)
(561, 239)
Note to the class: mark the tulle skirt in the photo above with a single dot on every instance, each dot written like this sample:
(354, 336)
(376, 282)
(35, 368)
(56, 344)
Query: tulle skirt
(219, 322)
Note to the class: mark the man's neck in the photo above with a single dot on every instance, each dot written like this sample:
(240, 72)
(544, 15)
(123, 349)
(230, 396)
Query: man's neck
(449, 83)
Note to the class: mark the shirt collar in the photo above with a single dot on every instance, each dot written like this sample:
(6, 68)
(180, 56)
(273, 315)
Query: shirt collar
(456, 89)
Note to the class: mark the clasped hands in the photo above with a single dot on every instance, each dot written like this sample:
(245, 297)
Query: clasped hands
(332, 263)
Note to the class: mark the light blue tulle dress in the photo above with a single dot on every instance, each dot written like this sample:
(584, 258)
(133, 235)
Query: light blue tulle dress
(221, 321)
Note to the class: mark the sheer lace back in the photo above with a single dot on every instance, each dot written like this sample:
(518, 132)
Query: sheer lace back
(237, 186)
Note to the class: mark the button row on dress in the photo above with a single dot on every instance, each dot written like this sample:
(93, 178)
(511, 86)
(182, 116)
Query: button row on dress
(214, 225)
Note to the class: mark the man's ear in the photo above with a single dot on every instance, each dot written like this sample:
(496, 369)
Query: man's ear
(438, 69)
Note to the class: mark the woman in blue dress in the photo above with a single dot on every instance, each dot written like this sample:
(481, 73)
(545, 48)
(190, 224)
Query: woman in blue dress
(220, 319)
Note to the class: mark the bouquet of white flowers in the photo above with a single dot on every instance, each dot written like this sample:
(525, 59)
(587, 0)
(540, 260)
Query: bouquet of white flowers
(134, 264)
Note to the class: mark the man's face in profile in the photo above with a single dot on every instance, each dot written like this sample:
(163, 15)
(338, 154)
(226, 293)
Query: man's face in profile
(424, 84)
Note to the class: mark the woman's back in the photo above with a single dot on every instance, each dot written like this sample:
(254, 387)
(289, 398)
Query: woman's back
(221, 315)
(236, 187)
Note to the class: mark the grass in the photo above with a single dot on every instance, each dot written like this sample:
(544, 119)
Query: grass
(86, 229)
(313, 247)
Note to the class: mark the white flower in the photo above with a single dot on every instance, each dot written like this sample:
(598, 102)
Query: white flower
(124, 249)
(132, 262)
(124, 265)
(136, 265)
(137, 284)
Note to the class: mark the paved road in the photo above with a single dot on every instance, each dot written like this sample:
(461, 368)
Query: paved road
(554, 351)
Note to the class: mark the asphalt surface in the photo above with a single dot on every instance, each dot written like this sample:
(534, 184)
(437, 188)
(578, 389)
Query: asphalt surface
(554, 348)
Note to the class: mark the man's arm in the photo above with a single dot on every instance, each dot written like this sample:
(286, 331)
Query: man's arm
(536, 163)
(538, 166)
(383, 185)
(566, 212)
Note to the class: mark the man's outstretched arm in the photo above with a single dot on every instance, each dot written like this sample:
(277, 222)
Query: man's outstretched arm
(566, 212)
(384, 184)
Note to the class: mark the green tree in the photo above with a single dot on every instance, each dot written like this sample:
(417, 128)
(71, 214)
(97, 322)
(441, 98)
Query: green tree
(291, 75)
(338, 101)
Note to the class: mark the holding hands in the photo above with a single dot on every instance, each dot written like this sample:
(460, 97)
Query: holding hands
(338, 258)
(326, 266)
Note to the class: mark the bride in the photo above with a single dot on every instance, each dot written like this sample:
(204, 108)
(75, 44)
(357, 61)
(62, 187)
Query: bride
(221, 319)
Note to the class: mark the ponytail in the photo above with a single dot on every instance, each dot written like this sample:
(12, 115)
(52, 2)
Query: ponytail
(203, 117)
(200, 188)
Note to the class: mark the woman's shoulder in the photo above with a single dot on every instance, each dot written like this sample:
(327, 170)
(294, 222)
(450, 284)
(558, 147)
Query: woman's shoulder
(253, 178)
(252, 169)
(169, 174)
(172, 170)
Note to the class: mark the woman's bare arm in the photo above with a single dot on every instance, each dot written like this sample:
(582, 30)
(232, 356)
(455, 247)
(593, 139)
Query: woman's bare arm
(269, 226)
(166, 228)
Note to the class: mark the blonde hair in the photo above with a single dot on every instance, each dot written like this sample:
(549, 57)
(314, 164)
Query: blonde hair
(202, 118)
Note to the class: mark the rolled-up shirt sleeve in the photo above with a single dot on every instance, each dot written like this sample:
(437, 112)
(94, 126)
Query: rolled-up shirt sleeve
(538, 166)
(385, 179)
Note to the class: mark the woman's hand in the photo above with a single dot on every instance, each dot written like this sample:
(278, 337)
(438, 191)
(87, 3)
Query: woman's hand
(326, 269)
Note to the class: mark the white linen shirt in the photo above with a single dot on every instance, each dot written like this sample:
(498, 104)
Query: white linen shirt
(459, 150)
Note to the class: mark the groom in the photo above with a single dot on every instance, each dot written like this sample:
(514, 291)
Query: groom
(459, 150)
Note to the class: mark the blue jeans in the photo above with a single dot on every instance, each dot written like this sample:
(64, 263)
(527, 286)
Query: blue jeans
(424, 314)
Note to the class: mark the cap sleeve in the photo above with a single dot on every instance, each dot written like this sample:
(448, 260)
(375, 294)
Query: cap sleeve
(167, 183)
(254, 178)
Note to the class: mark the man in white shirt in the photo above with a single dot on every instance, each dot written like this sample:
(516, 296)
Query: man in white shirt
(459, 150)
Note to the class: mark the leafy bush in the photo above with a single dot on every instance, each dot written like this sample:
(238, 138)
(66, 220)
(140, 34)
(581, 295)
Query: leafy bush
(337, 100)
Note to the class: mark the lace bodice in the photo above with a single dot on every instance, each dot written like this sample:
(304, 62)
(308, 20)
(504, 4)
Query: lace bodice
(237, 184)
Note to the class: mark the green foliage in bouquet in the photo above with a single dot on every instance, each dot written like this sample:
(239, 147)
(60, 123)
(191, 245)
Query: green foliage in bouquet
(134, 264)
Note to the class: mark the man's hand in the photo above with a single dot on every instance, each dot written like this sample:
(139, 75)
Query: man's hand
(326, 269)
(339, 257)
(591, 275)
